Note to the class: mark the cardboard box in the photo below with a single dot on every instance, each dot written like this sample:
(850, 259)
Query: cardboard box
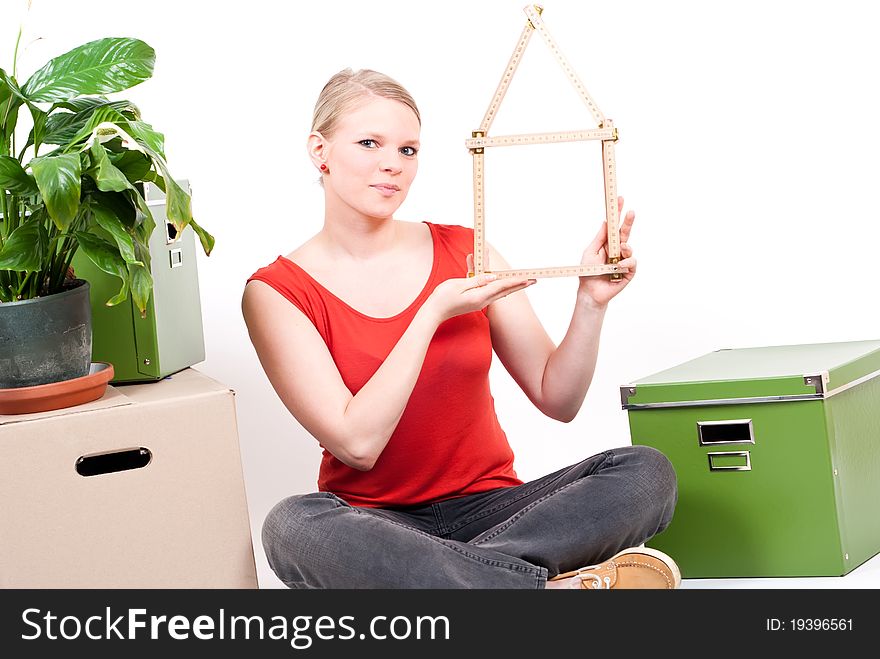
(140, 489)
(776, 452)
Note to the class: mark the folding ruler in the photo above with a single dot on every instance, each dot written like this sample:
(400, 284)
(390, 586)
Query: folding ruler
(606, 132)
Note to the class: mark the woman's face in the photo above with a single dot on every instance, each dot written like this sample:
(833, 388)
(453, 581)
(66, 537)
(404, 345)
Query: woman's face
(371, 157)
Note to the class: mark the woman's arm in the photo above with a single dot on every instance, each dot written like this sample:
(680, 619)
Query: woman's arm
(556, 379)
(298, 363)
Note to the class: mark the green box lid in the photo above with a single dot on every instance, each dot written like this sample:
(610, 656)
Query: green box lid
(793, 372)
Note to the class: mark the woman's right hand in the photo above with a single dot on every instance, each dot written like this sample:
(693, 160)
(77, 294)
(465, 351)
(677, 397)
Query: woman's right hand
(467, 294)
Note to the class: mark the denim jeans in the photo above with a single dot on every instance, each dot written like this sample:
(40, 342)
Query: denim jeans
(510, 537)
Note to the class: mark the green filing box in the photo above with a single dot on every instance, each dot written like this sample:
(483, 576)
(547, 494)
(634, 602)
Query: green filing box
(777, 455)
(171, 337)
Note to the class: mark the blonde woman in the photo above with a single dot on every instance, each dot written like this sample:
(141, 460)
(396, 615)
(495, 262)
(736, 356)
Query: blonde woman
(378, 342)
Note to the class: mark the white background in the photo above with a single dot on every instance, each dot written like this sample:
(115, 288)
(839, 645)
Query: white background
(748, 148)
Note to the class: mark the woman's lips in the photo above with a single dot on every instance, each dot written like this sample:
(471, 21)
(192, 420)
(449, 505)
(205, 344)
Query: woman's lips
(385, 190)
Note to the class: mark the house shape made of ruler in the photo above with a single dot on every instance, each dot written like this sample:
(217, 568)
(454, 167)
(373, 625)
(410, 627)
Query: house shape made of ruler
(606, 132)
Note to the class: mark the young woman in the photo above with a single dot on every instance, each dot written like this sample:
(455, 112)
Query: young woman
(379, 343)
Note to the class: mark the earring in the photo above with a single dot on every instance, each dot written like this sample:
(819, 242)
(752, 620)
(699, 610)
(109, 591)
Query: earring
(324, 168)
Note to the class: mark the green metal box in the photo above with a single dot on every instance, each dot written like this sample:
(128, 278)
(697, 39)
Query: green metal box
(777, 455)
(171, 337)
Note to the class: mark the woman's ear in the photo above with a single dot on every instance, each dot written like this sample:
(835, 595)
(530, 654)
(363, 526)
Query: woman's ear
(317, 149)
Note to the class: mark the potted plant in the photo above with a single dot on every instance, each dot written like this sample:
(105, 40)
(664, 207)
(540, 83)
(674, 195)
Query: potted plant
(76, 184)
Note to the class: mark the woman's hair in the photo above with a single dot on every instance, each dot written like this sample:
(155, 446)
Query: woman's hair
(347, 89)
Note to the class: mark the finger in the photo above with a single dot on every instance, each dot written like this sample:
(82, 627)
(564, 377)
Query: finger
(625, 250)
(507, 283)
(600, 239)
(630, 264)
(619, 204)
(470, 263)
(481, 280)
(495, 285)
(504, 293)
(626, 225)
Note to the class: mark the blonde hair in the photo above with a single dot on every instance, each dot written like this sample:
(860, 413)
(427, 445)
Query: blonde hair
(347, 89)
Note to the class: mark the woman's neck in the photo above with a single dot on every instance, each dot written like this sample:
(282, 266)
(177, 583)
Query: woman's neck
(352, 235)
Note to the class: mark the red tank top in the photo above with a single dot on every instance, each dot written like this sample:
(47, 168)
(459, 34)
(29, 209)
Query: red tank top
(448, 442)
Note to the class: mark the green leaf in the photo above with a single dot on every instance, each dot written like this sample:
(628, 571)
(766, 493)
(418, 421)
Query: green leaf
(205, 238)
(141, 287)
(106, 176)
(11, 100)
(39, 130)
(135, 165)
(94, 128)
(178, 204)
(25, 248)
(105, 255)
(15, 179)
(58, 178)
(144, 222)
(145, 134)
(11, 86)
(117, 203)
(108, 221)
(63, 127)
(103, 66)
(87, 103)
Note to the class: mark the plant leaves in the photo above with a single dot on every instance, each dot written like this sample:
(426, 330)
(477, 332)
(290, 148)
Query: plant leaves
(25, 248)
(178, 204)
(84, 103)
(15, 179)
(117, 203)
(101, 126)
(144, 222)
(58, 178)
(105, 255)
(63, 127)
(145, 134)
(11, 87)
(135, 165)
(205, 238)
(103, 66)
(141, 287)
(105, 174)
(108, 221)
(10, 101)
(39, 130)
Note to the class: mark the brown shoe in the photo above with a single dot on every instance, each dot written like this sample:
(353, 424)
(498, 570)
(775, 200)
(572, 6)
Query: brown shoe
(638, 567)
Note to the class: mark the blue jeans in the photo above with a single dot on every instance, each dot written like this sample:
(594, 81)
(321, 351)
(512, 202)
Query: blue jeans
(510, 537)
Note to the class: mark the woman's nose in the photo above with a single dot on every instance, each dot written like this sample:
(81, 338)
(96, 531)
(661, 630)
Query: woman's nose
(390, 164)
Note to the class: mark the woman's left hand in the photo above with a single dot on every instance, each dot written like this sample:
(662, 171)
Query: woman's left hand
(600, 289)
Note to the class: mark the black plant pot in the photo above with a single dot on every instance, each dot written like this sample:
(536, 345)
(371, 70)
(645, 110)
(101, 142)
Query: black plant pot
(47, 339)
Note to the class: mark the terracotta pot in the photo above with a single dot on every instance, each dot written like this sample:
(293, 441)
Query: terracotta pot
(57, 395)
(46, 339)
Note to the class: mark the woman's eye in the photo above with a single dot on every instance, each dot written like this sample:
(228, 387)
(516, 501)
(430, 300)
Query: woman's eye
(408, 151)
(368, 143)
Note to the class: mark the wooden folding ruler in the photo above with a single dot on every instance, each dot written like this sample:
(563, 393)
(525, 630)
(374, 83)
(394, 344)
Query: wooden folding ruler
(606, 132)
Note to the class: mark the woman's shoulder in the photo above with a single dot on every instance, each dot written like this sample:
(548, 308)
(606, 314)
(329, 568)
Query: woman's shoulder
(279, 268)
(286, 266)
(458, 237)
(453, 229)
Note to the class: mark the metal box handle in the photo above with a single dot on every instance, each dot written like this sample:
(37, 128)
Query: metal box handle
(729, 461)
(733, 431)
